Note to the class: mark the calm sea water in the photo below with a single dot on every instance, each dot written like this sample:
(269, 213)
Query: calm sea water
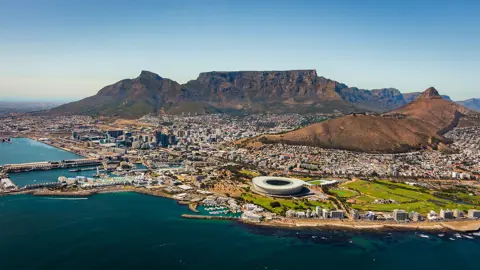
(23, 150)
(133, 231)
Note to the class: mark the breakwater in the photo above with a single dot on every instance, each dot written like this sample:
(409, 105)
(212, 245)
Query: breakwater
(64, 193)
(188, 216)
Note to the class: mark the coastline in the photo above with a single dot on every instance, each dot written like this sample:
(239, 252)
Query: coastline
(284, 223)
(456, 226)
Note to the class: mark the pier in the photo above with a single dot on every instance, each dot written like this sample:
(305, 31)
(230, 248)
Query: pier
(208, 217)
(48, 165)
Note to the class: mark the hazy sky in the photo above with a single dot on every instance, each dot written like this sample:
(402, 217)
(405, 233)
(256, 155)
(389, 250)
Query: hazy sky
(69, 49)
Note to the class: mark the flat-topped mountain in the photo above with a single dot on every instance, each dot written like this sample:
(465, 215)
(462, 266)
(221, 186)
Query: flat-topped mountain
(418, 125)
(300, 91)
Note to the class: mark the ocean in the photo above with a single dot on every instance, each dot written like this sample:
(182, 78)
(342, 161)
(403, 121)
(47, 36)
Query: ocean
(23, 150)
(134, 231)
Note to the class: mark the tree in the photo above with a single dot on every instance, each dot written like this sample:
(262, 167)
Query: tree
(275, 204)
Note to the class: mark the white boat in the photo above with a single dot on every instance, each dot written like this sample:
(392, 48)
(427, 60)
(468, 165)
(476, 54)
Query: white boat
(424, 236)
(441, 235)
(451, 239)
(468, 236)
(457, 235)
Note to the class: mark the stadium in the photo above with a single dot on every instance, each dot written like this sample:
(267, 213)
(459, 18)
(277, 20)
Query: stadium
(277, 186)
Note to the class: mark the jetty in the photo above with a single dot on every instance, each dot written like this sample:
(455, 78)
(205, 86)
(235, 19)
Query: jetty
(208, 217)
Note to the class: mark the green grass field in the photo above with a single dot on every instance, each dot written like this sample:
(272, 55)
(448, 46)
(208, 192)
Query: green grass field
(284, 203)
(409, 198)
(344, 193)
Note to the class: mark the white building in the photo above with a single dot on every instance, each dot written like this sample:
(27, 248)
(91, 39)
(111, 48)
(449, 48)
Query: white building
(473, 213)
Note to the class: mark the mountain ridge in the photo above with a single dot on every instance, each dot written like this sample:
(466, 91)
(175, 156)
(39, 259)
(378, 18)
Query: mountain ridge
(301, 91)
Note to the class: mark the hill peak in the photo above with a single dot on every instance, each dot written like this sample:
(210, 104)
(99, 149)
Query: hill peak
(430, 93)
(149, 75)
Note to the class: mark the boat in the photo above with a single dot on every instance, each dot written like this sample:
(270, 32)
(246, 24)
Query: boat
(468, 236)
(74, 170)
(424, 236)
(441, 235)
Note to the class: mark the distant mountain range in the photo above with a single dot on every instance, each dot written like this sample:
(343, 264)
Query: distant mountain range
(418, 125)
(300, 91)
(13, 107)
(472, 104)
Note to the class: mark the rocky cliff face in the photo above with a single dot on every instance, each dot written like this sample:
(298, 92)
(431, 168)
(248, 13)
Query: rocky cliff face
(300, 87)
(300, 91)
(379, 100)
(296, 86)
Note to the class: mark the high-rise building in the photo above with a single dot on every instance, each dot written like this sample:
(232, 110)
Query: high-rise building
(115, 133)
(162, 139)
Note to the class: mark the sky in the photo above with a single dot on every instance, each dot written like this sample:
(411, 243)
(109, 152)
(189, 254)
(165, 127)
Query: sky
(67, 50)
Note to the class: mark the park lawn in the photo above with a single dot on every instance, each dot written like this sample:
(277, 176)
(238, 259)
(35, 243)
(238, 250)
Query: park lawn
(364, 199)
(287, 203)
(377, 190)
(409, 198)
(315, 182)
(421, 207)
(344, 193)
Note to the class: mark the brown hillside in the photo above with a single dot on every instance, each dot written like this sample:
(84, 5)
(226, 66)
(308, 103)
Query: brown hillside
(417, 125)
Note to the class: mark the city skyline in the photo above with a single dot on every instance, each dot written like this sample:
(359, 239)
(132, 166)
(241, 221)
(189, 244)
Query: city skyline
(58, 50)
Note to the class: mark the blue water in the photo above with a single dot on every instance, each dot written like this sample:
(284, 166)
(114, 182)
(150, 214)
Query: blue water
(133, 231)
(23, 150)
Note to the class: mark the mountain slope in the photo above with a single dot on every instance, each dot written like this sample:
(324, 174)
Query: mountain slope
(409, 97)
(127, 98)
(299, 91)
(417, 125)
